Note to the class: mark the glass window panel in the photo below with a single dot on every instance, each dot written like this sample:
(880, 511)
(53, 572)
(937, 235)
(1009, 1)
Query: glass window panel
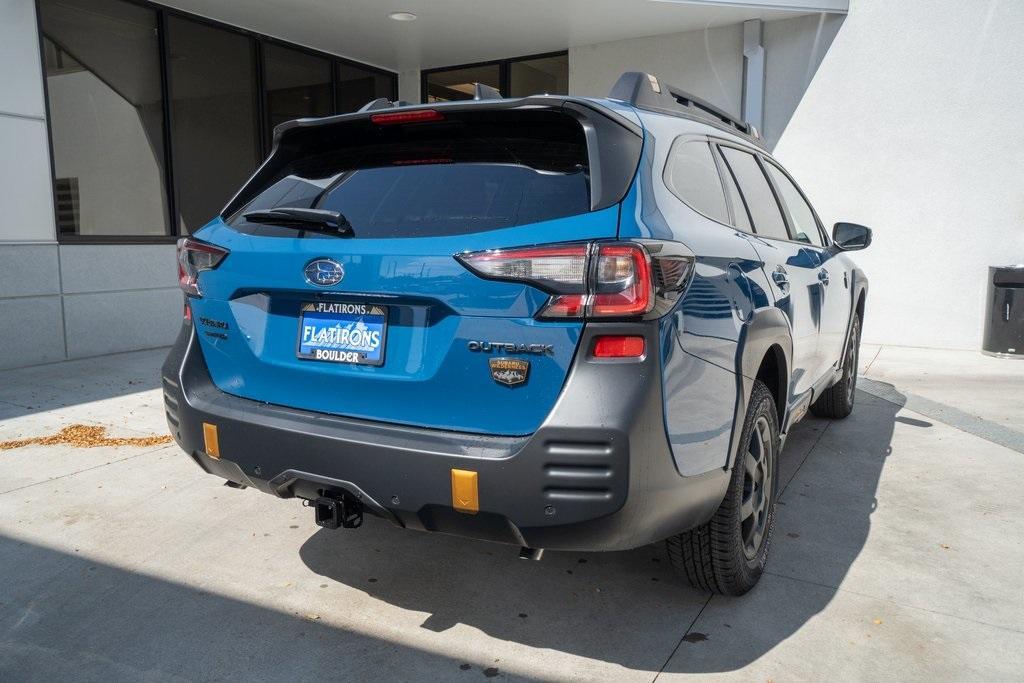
(357, 86)
(741, 219)
(106, 116)
(457, 84)
(298, 84)
(213, 113)
(767, 215)
(544, 76)
(804, 223)
(692, 176)
(423, 182)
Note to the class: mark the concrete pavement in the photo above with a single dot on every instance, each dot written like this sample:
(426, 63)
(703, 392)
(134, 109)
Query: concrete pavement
(897, 555)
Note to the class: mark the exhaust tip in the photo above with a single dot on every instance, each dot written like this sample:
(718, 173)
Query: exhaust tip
(531, 553)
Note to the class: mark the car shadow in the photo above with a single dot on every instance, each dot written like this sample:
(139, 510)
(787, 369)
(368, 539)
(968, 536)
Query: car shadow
(628, 607)
(65, 616)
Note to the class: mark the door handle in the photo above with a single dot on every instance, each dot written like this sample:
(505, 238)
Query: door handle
(823, 277)
(781, 279)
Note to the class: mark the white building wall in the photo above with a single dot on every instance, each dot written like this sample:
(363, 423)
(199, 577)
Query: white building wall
(903, 116)
(707, 63)
(31, 307)
(24, 165)
(912, 125)
(409, 86)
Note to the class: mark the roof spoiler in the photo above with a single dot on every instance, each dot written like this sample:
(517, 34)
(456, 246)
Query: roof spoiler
(645, 91)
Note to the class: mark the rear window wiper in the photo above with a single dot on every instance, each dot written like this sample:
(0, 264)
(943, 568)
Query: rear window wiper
(290, 217)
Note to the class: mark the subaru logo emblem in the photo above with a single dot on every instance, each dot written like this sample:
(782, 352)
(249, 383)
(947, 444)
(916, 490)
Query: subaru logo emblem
(324, 272)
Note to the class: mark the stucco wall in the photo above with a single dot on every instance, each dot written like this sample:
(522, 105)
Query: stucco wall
(911, 125)
(24, 164)
(903, 116)
(707, 63)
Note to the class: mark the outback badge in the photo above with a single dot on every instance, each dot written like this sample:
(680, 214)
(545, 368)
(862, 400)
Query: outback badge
(509, 371)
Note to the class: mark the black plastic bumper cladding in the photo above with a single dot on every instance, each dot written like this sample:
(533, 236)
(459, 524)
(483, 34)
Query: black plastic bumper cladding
(597, 475)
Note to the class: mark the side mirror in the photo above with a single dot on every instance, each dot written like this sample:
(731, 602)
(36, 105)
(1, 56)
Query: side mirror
(850, 236)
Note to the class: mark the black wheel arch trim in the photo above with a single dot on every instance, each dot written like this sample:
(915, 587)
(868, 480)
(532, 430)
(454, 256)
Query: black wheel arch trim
(858, 289)
(766, 329)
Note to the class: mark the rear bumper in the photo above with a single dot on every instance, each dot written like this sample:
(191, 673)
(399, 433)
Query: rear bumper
(597, 475)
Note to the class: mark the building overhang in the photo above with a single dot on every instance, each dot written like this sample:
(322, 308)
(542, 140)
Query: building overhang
(447, 32)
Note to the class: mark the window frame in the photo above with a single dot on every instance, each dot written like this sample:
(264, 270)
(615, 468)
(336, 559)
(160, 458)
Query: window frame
(822, 234)
(762, 158)
(264, 131)
(686, 139)
(504, 70)
(771, 186)
(723, 169)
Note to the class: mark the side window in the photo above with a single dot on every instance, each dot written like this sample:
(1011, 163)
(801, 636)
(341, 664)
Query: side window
(741, 217)
(804, 223)
(691, 175)
(758, 193)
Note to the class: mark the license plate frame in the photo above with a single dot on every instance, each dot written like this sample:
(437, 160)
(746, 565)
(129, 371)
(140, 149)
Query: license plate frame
(334, 349)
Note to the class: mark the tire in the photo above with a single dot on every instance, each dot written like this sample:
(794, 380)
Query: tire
(728, 554)
(836, 402)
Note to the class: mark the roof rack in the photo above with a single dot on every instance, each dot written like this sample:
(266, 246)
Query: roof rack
(644, 91)
(485, 92)
(382, 103)
(480, 92)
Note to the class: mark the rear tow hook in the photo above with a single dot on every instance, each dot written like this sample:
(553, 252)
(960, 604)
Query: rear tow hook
(332, 513)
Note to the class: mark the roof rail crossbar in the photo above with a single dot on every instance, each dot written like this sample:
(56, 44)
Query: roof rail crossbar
(379, 103)
(645, 91)
(485, 92)
(382, 103)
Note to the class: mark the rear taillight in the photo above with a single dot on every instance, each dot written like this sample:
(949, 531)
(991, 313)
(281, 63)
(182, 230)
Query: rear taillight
(623, 281)
(193, 258)
(591, 280)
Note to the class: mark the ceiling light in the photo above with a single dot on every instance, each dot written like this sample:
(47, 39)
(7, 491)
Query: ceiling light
(402, 16)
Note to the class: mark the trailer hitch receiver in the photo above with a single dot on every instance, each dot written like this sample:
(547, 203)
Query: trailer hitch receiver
(332, 513)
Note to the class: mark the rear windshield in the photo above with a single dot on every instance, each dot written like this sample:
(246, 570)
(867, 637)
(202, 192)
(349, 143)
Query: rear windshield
(449, 177)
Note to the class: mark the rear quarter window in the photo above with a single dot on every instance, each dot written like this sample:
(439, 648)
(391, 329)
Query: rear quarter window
(692, 176)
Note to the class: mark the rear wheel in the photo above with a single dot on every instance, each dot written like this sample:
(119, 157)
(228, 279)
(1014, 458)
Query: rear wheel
(727, 554)
(837, 401)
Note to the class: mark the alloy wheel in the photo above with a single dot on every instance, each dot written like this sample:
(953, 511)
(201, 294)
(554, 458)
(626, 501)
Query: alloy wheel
(850, 364)
(757, 487)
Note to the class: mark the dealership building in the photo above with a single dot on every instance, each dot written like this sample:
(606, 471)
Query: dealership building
(126, 124)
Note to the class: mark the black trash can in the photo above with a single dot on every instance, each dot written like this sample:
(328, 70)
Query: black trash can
(1004, 320)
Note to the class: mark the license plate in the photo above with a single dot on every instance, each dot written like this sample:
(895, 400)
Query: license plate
(340, 332)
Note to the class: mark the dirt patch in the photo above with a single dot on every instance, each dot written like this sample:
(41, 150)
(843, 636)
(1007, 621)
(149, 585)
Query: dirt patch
(84, 436)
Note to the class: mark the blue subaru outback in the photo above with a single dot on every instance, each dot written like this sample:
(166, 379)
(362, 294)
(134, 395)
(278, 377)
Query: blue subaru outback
(551, 322)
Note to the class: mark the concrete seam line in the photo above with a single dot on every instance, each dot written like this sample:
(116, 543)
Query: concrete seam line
(63, 311)
(878, 352)
(682, 637)
(118, 291)
(27, 117)
(948, 415)
(83, 358)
